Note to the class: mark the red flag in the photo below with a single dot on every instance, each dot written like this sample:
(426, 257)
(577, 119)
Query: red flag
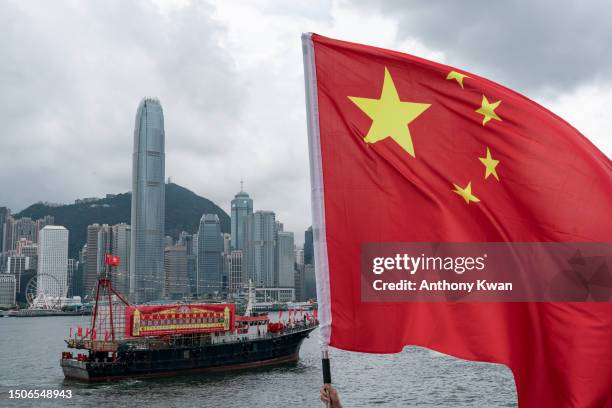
(280, 314)
(407, 150)
(112, 260)
(79, 331)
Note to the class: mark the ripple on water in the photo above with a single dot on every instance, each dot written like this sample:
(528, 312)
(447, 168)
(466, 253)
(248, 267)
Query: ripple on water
(414, 377)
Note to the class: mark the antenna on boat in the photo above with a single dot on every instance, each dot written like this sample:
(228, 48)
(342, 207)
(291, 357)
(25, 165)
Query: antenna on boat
(250, 299)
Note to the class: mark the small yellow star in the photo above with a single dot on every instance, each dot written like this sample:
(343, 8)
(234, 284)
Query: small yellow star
(390, 116)
(487, 109)
(490, 163)
(466, 193)
(457, 76)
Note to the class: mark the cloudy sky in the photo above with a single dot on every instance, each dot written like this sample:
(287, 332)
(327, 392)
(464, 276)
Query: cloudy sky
(229, 77)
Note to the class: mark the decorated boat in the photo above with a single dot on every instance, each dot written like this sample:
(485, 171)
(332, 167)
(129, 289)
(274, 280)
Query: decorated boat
(142, 341)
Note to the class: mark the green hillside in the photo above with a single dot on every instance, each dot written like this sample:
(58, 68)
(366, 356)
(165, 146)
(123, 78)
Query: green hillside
(183, 211)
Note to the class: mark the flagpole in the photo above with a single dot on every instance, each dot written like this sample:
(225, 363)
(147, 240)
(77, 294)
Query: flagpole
(318, 207)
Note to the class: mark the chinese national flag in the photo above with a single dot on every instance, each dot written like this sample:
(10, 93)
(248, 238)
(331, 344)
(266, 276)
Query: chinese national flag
(112, 260)
(407, 150)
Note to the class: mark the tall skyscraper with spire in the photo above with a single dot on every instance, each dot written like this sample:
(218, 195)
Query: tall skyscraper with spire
(242, 207)
(148, 204)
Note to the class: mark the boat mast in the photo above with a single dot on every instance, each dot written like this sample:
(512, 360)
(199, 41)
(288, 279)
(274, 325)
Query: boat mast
(250, 299)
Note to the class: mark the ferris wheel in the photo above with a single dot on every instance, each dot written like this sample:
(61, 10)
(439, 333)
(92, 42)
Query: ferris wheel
(49, 300)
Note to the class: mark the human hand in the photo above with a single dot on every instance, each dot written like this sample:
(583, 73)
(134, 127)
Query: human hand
(329, 396)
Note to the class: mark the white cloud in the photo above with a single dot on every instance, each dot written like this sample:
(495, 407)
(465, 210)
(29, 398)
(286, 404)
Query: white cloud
(587, 108)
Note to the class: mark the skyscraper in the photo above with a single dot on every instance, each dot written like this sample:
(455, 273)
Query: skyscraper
(308, 247)
(260, 230)
(53, 261)
(235, 279)
(91, 261)
(242, 207)
(73, 265)
(186, 240)
(104, 247)
(122, 234)
(8, 289)
(175, 265)
(16, 266)
(24, 228)
(210, 247)
(42, 222)
(285, 260)
(309, 288)
(7, 236)
(4, 213)
(148, 204)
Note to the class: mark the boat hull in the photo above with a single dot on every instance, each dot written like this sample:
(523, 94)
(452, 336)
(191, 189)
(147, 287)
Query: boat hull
(219, 357)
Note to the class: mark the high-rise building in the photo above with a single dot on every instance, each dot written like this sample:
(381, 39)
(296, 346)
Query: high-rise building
(235, 279)
(21, 243)
(210, 247)
(186, 240)
(90, 275)
(104, 246)
(285, 260)
(309, 288)
(308, 247)
(175, 265)
(7, 237)
(44, 221)
(260, 230)
(148, 203)
(299, 257)
(73, 265)
(121, 242)
(16, 266)
(78, 281)
(31, 253)
(242, 207)
(299, 274)
(52, 274)
(227, 243)
(8, 290)
(23, 228)
(4, 213)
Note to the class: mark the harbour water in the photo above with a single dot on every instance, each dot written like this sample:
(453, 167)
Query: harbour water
(30, 349)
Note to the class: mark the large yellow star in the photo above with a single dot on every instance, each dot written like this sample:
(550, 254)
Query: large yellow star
(457, 76)
(466, 193)
(390, 116)
(487, 109)
(490, 163)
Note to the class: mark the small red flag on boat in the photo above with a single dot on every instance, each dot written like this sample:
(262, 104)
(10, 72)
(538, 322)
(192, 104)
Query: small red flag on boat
(112, 260)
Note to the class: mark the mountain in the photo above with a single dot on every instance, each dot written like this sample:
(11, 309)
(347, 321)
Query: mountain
(183, 211)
